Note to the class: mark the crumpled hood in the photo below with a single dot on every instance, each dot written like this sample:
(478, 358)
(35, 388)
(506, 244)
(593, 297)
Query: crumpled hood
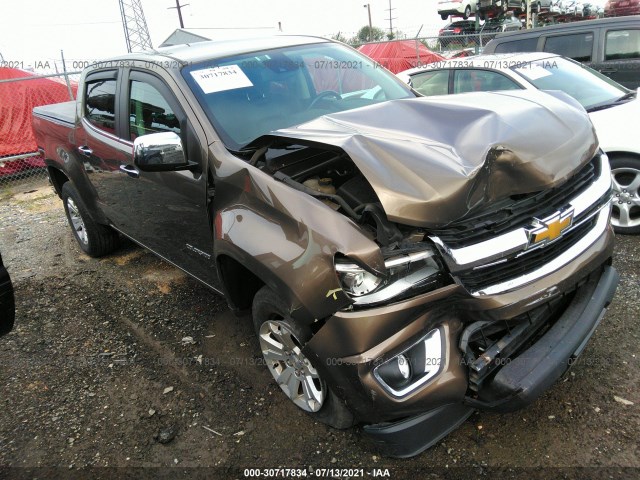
(432, 160)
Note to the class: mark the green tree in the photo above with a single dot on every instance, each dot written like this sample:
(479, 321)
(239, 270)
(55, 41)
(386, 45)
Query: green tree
(340, 38)
(377, 34)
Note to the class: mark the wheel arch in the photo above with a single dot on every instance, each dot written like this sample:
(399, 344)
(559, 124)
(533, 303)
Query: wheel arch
(59, 176)
(613, 155)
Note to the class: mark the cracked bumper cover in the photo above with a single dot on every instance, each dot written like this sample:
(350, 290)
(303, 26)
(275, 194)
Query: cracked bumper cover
(517, 384)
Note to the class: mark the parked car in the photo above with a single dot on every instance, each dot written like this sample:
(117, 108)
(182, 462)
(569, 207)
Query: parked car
(540, 5)
(459, 7)
(461, 32)
(7, 301)
(609, 45)
(572, 7)
(556, 7)
(502, 23)
(492, 8)
(620, 8)
(610, 105)
(398, 254)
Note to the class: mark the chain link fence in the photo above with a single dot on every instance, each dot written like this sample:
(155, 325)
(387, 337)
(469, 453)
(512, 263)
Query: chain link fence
(21, 165)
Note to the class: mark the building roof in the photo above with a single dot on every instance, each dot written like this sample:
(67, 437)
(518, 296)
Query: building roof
(181, 36)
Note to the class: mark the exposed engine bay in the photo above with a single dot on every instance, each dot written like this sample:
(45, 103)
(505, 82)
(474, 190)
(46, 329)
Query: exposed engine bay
(331, 176)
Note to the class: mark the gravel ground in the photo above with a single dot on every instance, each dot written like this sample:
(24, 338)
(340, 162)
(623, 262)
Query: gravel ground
(125, 362)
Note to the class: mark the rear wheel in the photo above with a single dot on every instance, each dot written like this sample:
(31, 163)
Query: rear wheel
(444, 16)
(625, 215)
(467, 12)
(94, 239)
(281, 342)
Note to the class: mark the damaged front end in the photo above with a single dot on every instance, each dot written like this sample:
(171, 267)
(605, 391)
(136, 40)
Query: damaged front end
(493, 244)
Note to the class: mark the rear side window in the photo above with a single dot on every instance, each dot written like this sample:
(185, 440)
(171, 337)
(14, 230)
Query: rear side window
(577, 46)
(622, 44)
(526, 45)
(435, 82)
(100, 103)
(481, 81)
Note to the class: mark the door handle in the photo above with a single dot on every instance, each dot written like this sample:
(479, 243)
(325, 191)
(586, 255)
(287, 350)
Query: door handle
(86, 151)
(130, 170)
(608, 70)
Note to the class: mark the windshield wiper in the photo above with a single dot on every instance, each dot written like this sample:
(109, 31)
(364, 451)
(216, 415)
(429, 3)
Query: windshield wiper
(611, 103)
(626, 96)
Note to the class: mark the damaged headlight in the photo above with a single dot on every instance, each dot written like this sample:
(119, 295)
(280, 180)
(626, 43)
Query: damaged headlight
(406, 273)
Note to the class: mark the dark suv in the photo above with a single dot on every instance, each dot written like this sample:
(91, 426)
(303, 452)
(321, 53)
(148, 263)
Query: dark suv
(609, 45)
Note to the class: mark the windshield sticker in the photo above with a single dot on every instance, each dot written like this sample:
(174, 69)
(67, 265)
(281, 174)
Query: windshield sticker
(219, 79)
(533, 72)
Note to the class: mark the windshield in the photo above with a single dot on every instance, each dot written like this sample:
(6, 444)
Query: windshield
(250, 95)
(590, 88)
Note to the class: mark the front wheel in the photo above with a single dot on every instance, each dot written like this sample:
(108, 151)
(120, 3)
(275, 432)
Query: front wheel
(281, 342)
(625, 216)
(94, 239)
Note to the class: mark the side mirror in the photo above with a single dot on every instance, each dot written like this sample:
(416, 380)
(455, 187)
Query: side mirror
(160, 152)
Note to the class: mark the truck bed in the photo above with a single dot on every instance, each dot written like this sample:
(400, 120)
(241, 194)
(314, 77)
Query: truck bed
(58, 112)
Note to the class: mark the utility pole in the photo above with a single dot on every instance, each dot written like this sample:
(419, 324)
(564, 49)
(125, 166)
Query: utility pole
(391, 19)
(178, 7)
(368, 7)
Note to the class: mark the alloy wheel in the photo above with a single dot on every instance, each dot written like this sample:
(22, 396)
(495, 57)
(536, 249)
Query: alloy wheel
(293, 372)
(626, 198)
(76, 221)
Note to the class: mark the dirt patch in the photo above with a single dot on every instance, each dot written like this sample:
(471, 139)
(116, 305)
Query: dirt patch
(97, 344)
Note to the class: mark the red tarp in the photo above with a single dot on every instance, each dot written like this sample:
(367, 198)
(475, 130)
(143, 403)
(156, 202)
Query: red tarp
(400, 55)
(17, 99)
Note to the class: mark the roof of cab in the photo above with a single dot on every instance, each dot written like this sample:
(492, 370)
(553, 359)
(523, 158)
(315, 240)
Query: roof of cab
(202, 51)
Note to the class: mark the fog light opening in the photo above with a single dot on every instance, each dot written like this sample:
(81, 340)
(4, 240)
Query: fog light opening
(412, 368)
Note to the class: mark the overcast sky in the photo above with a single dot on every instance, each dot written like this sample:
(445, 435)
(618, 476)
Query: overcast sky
(33, 31)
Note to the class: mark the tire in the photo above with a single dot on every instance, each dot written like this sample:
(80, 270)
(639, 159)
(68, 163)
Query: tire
(444, 17)
(279, 336)
(625, 217)
(467, 12)
(94, 239)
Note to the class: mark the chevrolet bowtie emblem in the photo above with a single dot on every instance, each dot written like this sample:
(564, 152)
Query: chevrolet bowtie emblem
(551, 228)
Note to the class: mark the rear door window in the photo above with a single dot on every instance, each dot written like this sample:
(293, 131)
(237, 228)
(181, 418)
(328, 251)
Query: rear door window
(435, 82)
(99, 107)
(481, 81)
(622, 44)
(578, 46)
(526, 45)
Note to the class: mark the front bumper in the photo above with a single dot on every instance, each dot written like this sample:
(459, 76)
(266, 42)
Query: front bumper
(518, 383)
(528, 375)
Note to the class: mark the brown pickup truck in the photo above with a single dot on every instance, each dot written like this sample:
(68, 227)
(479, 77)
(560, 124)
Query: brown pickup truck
(406, 260)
